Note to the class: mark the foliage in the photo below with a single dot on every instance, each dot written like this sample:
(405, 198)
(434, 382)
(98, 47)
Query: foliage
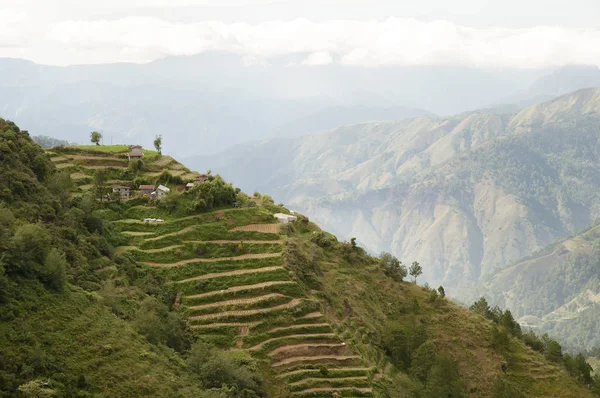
(158, 144)
(415, 270)
(392, 267)
(95, 137)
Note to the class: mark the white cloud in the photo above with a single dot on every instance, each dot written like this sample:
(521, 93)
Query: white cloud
(318, 59)
(393, 41)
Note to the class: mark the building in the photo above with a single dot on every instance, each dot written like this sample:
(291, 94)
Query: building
(202, 178)
(285, 218)
(189, 186)
(135, 153)
(122, 190)
(146, 189)
(179, 188)
(161, 191)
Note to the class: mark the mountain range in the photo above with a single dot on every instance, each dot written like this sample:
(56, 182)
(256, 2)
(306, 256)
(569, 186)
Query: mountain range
(468, 195)
(215, 100)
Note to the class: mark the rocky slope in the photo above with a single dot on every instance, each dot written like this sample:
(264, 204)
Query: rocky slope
(466, 195)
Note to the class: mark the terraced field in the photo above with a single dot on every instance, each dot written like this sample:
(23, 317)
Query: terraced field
(83, 161)
(238, 293)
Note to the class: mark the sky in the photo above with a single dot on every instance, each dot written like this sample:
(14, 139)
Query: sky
(374, 33)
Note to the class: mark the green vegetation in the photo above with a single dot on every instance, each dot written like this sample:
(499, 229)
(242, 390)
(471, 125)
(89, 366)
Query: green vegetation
(95, 137)
(231, 305)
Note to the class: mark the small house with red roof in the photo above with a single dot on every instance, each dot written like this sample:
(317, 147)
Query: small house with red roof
(146, 189)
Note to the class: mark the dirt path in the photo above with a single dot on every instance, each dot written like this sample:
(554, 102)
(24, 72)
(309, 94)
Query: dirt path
(240, 288)
(214, 260)
(292, 336)
(299, 326)
(187, 229)
(268, 228)
(317, 379)
(252, 300)
(312, 315)
(323, 389)
(288, 361)
(230, 273)
(304, 345)
(290, 304)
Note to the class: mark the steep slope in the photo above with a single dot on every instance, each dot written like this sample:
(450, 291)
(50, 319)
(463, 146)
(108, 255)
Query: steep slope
(556, 290)
(466, 195)
(218, 300)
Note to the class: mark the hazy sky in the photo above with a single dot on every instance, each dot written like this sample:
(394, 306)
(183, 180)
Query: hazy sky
(514, 33)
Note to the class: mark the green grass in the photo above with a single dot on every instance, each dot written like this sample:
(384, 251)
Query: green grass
(316, 373)
(292, 290)
(204, 232)
(74, 334)
(204, 250)
(309, 329)
(191, 270)
(330, 383)
(270, 302)
(222, 283)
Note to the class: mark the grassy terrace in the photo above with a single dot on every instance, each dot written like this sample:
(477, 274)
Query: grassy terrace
(251, 304)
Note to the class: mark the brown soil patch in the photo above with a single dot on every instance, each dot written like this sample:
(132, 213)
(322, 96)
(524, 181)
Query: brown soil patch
(324, 389)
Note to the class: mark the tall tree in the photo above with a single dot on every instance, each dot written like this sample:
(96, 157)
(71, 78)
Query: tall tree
(158, 144)
(95, 137)
(99, 183)
(415, 270)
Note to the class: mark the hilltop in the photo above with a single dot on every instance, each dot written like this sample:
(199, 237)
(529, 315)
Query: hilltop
(220, 300)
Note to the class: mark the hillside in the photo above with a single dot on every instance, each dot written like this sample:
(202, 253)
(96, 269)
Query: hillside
(555, 290)
(466, 195)
(220, 301)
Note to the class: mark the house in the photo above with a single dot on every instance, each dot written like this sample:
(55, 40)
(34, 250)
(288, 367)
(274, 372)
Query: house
(146, 189)
(285, 218)
(122, 190)
(161, 191)
(136, 153)
(202, 178)
(189, 186)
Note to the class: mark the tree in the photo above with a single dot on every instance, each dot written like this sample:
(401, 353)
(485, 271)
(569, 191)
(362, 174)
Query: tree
(392, 267)
(95, 137)
(158, 144)
(99, 183)
(442, 291)
(481, 307)
(54, 273)
(415, 270)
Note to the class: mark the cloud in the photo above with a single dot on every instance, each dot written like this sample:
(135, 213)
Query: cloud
(389, 42)
(318, 59)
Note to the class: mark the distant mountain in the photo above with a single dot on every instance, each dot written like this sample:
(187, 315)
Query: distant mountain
(213, 101)
(466, 195)
(559, 82)
(556, 290)
(329, 118)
